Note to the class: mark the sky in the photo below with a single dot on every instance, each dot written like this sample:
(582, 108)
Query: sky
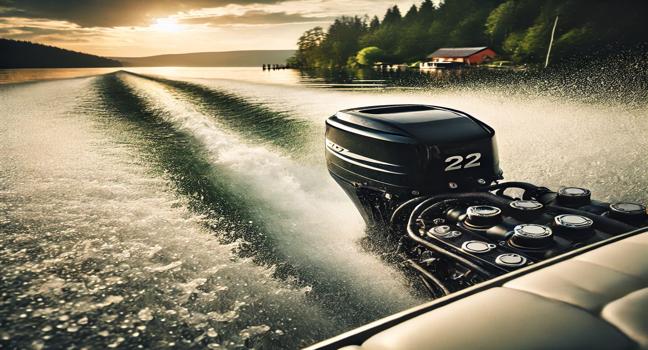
(130, 28)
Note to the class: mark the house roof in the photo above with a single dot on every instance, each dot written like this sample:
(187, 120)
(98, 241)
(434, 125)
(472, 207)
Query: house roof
(456, 51)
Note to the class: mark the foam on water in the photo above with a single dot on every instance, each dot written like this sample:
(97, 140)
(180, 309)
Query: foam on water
(313, 223)
(94, 248)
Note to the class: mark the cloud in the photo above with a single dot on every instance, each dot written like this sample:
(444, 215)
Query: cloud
(109, 13)
(131, 27)
(255, 17)
(48, 34)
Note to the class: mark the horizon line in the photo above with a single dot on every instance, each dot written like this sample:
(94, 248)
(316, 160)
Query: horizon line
(199, 52)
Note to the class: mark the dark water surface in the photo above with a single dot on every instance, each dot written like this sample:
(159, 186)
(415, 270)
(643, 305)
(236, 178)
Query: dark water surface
(191, 207)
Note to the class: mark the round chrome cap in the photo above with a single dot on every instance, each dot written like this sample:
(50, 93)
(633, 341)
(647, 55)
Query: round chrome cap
(573, 221)
(444, 231)
(574, 192)
(439, 230)
(628, 208)
(573, 196)
(532, 231)
(526, 205)
(484, 211)
(482, 216)
(531, 236)
(477, 247)
(510, 260)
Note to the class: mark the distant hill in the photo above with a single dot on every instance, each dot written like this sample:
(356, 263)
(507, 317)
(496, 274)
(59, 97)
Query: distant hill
(25, 54)
(249, 58)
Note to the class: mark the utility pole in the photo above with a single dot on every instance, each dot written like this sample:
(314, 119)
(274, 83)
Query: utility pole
(553, 31)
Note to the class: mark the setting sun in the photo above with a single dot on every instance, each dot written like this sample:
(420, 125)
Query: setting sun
(166, 25)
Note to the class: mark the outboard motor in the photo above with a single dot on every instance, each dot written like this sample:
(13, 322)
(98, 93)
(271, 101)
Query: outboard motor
(384, 155)
(429, 176)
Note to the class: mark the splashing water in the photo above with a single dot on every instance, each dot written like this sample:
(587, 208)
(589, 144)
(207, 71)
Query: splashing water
(95, 248)
(300, 202)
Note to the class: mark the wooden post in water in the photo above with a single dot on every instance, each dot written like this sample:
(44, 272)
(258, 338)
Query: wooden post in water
(553, 31)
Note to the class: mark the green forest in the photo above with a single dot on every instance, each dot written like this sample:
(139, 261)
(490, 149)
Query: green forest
(518, 30)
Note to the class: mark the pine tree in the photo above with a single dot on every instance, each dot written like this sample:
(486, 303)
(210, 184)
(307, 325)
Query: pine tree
(374, 24)
(393, 16)
(411, 15)
(426, 11)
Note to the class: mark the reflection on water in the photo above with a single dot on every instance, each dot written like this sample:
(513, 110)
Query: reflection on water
(8, 76)
(251, 74)
(191, 207)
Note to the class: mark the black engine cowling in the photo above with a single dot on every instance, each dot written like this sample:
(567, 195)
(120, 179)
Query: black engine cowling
(402, 151)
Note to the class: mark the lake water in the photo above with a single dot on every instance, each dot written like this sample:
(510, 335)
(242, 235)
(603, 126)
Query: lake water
(191, 207)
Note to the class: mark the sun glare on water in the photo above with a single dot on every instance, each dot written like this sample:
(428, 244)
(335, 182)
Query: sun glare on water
(166, 25)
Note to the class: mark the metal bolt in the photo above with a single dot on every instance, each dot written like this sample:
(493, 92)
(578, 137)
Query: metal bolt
(452, 185)
(481, 181)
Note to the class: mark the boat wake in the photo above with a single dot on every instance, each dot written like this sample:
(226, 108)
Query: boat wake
(131, 217)
(306, 220)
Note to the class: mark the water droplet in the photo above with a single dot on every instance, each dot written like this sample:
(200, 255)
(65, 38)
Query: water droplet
(254, 331)
(145, 314)
(116, 343)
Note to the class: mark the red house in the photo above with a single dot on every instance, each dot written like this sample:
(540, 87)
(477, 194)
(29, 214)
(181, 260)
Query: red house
(460, 56)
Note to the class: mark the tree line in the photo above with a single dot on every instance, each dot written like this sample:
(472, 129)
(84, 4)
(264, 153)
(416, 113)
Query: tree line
(518, 30)
(25, 54)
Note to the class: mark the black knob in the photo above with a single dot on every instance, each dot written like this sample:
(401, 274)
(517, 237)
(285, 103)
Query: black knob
(573, 227)
(627, 211)
(525, 209)
(574, 196)
(482, 216)
(531, 236)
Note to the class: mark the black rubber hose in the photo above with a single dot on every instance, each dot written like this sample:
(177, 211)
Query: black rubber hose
(486, 196)
(516, 184)
(478, 195)
(437, 282)
(528, 188)
(411, 227)
(436, 206)
(402, 207)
